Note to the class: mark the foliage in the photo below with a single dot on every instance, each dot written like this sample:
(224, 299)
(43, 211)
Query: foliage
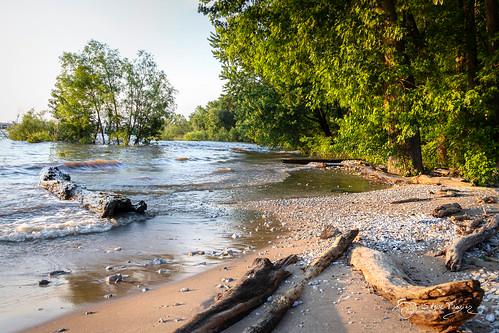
(33, 128)
(99, 93)
(175, 128)
(479, 169)
(407, 81)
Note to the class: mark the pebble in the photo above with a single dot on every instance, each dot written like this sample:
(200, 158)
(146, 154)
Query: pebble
(184, 290)
(115, 278)
(43, 283)
(227, 280)
(490, 318)
(108, 296)
(109, 268)
(296, 303)
(117, 248)
(145, 289)
(87, 313)
(158, 261)
(162, 271)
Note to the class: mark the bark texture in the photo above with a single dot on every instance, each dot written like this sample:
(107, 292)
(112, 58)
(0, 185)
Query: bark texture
(105, 204)
(443, 307)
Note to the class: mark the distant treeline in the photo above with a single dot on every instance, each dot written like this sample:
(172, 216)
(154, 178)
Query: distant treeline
(410, 84)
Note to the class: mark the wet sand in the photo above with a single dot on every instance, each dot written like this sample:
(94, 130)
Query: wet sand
(340, 300)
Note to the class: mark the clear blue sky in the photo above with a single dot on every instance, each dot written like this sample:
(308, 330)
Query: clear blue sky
(33, 34)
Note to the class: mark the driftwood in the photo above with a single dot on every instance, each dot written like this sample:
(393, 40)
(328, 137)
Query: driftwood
(443, 307)
(410, 200)
(455, 252)
(447, 210)
(280, 304)
(105, 204)
(252, 290)
(304, 161)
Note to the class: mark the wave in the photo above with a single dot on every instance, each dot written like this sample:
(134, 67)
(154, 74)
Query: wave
(59, 225)
(91, 164)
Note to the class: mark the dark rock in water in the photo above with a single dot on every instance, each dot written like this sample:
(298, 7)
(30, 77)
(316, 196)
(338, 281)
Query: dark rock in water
(106, 204)
(57, 273)
(115, 278)
(43, 283)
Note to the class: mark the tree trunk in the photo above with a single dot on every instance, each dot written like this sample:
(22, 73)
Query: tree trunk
(470, 41)
(251, 291)
(407, 158)
(323, 122)
(443, 307)
(491, 13)
(282, 303)
(106, 204)
(455, 252)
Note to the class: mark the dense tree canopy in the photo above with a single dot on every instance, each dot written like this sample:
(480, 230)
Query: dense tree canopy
(411, 83)
(100, 95)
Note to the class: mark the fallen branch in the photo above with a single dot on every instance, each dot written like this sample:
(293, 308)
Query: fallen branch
(455, 252)
(443, 307)
(410, 200)
(105, 204)
(280, 304)
(252, 290)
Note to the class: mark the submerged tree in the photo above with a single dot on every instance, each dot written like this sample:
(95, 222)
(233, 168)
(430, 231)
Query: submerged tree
(99, 93)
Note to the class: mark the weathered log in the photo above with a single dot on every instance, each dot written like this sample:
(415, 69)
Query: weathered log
(106, 204)
(252, 290)
(443, 307)
(447, 210)
(455, 252)
(410, 200)
(280, 304)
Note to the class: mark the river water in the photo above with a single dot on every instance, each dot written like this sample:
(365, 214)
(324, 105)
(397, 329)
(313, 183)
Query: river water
(190, 189)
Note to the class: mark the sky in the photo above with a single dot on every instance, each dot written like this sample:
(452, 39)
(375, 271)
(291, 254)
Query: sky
(33, 34)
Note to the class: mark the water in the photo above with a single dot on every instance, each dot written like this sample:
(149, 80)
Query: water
(190, 188)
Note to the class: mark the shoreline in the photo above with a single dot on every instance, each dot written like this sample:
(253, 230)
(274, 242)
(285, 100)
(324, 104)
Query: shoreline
(165, 308)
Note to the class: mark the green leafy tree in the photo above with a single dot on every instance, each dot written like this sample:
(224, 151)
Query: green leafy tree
(33, 128)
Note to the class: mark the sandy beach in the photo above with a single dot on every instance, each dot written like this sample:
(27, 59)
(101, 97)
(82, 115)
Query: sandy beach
(339, 298)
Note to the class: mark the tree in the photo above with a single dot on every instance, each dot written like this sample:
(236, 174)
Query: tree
(100, 93)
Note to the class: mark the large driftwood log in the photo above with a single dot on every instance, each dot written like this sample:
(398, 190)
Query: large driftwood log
(251, 291)
(442, 307)
(454, 253)
(105, 204)
(282, 303)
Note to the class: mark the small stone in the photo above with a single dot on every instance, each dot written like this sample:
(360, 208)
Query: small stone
(296, 303)
(60, 330)
(227, 280)
(117, 248)
(43, 283)
(162, 271)
(162, 321)
(87, 313)
(145, 289)
(109, 268)
(184, 290)
(114, 279)
(490, 318)
(108, 296)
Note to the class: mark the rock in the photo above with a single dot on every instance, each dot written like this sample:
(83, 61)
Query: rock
(43, 283)
(181, 158)
(60, 330)
(87, 313)
(158, 261)
(195, 253)
(57, 273)
(145, 289)
(447, 210)
(227, 280)
(117, 248)
(108, 296)
(184, 290)
(109, 268)
(488, 199)
(490, 318)
(235, 236)
(296, 303)
(106, 204)
(114, 279)
(162, 271)
(162, 321)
